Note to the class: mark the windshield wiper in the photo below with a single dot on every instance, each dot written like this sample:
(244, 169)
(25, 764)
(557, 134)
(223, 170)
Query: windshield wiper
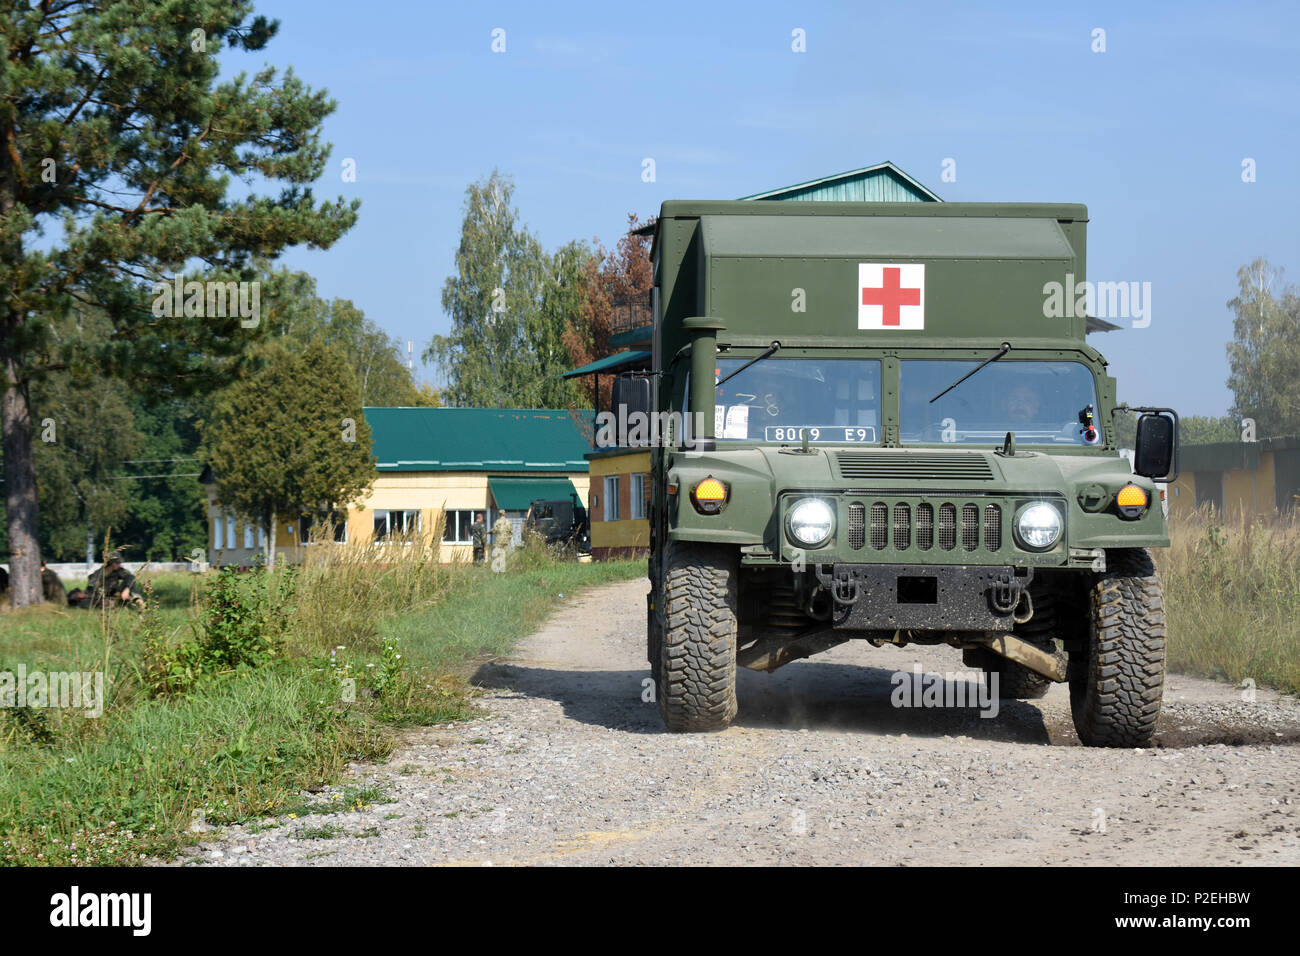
(1006, 347)
(757, 358)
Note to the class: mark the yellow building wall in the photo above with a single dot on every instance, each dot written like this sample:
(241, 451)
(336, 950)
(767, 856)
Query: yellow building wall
(427, 492)
(286, 540)
(1182, 496)
(626, 532)
(1267, 485)
(1245, 491)
(1251, 492)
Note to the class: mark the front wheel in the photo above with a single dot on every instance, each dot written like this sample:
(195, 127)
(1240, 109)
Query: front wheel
(697, 643)
(1015, 681)
(1115, 686)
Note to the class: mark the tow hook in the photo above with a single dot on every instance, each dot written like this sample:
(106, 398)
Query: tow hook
(845, 588)
(1009, 591)
(841, 583)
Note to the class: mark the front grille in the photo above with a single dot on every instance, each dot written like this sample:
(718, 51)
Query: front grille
(856, 526)
(925, 526)
(879, 526)
(915, 466)
(947, 526)
(970, 527)
(901, 525)
(992, 527)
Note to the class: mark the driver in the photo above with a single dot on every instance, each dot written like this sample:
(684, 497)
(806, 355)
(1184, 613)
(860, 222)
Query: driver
(1020, 405)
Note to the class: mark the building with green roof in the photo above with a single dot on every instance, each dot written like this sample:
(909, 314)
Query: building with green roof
(439, 464)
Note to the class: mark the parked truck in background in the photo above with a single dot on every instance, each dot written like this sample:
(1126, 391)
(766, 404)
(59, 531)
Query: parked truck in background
(878, 427)
(562, 523)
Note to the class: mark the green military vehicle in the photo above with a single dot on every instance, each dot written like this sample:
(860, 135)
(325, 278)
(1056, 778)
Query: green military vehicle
(877, 423)
(561, 522)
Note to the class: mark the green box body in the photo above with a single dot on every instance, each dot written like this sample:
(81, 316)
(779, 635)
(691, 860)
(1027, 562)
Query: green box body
(740, 275)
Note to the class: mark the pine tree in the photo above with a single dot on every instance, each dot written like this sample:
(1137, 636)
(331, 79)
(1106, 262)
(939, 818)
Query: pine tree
(120, 145)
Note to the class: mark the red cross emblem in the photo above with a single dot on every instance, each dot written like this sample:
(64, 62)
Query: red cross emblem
(891, 296)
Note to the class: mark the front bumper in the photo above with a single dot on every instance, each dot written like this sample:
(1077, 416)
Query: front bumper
(924, 597)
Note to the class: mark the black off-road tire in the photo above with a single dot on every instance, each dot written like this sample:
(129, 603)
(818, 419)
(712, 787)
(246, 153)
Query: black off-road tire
(697, 667)
(1116, 684)
(1015, 680)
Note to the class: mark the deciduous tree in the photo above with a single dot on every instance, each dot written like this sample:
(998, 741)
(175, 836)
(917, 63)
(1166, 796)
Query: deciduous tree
(617, 293)
(1264, 354)
(508, 303)
(290, 439)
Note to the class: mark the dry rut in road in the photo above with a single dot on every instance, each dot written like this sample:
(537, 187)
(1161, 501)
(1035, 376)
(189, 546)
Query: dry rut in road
(568, 765)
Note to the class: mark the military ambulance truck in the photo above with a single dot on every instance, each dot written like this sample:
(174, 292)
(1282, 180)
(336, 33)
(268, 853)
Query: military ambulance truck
(882, 422)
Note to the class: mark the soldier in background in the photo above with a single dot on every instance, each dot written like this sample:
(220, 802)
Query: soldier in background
(502, 531)
(113, 584)
(52, 587)
(478, 534)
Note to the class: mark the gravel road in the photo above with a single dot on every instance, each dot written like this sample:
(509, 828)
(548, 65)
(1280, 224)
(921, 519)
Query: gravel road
(568, 765)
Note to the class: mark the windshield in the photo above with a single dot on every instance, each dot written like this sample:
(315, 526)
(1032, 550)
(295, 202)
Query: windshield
(837, 400)
(1039, 401)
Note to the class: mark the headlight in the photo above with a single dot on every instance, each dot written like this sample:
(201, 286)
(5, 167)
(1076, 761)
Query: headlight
(1039, 526)
(810, 522)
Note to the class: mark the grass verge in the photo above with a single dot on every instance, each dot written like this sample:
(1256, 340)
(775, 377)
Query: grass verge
(1232, 598)
(227, 701)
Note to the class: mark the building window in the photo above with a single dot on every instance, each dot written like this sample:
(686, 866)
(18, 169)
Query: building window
(637, 508)
(611, 498)
(458, 526)
(339, 521)
(390, 523)
(248, 536)
(218, 533)
(230, 531)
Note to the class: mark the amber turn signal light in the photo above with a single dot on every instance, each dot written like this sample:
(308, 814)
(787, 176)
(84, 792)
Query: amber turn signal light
(1131, 501)
(709, 496)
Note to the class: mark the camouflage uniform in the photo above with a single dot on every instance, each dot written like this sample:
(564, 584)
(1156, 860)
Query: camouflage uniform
(102, 587)
(478, 534)
(52, 587)
(502, 531)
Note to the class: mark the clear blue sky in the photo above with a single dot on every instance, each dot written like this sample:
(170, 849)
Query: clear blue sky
(1150, 134)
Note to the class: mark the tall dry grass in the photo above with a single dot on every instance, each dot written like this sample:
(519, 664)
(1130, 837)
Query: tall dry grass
(1232, 597)
(346, 590)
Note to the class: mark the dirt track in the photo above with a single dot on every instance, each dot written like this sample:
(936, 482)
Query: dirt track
(569, 766)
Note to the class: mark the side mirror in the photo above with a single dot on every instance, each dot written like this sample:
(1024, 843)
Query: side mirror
(1155, 451)
(630, 398)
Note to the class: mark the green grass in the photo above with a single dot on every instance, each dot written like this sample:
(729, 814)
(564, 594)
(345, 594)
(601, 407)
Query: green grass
(47, 634)
(129, 783)
(326, 831)
(244, 743)
(487, 613)
(349, 799)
